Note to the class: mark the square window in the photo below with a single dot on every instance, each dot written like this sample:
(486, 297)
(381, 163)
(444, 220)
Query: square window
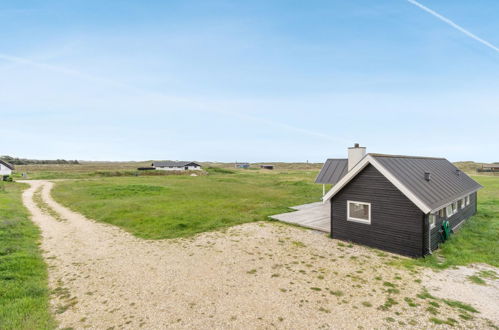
(359, 212)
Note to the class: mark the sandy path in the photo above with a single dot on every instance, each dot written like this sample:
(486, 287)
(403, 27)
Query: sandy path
(257, 275)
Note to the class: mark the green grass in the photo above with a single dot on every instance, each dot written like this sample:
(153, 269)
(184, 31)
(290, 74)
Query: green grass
(449, 321)
(477, 280)
(461, 305)
(24, 295)
(476, 241)
(180, 206)
(388, 304)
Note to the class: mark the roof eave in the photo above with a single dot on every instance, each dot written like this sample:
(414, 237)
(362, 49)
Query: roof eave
(9, 165)
(436, 209)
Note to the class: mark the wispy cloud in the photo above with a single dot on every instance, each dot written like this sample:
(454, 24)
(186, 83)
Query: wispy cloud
(195, 105)
(454, 25)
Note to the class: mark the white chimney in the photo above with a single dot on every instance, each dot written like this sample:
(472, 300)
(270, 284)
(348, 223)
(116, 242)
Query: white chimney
(355, 154)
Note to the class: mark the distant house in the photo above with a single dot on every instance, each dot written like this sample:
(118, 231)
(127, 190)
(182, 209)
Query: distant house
(241, 165)
(176, 166)
(489, 168)
(267, 167)
(402, 204)
(5, 169)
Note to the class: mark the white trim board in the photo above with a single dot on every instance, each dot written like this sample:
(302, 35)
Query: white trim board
(368, 159)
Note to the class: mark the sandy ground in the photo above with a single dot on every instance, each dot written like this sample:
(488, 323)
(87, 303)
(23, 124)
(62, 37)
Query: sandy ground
(455, 284)
(253, 276)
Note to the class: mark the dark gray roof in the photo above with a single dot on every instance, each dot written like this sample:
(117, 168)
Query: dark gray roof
(173, 163)
(447, 183)
(7, 164)
(332, 171)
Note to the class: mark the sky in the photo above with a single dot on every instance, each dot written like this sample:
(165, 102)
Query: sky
(248, 80)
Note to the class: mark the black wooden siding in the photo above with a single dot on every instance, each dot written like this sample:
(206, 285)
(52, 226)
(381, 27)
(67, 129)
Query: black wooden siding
(397, 225)
(455, 220)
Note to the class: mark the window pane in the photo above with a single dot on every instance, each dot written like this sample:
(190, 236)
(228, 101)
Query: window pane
(359, 211)
(432, 220)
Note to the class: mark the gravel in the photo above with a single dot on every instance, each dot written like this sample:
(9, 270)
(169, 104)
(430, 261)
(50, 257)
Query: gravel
(257, 275)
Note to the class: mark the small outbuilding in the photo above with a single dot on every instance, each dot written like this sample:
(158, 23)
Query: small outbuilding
(401, 204)
(267, 167)
(5, 169)
(176, 166)
(241, 165)
(489, 168)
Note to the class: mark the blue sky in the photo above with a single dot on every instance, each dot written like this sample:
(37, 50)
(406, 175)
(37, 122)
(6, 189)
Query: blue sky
(247, 81)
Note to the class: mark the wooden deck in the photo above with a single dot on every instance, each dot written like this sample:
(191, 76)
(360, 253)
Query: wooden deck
(314, 215)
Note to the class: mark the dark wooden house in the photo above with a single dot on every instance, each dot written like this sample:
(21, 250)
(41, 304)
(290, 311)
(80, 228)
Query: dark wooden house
(398, 203)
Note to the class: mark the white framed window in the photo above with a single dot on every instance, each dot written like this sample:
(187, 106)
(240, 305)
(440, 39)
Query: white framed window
(454, 208)
(359, 212)
(433, 220)
(441, 213)
(467, 198)
(463, 203)
(448, 210)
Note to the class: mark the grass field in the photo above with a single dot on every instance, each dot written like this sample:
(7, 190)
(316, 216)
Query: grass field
(178, 206)
(24, 294)
(115, 169)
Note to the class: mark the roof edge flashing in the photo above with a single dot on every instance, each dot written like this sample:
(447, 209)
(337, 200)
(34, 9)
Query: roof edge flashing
(369, 159)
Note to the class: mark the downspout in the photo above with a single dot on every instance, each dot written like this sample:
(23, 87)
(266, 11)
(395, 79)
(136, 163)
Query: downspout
(429, 234)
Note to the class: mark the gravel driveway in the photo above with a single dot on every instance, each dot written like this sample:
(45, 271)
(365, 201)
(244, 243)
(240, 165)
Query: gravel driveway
(257, 275)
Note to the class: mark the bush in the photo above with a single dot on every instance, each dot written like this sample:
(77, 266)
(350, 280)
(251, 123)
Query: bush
(7, 178)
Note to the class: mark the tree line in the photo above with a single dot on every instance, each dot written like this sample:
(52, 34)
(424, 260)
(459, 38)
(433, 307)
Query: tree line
(24, 161)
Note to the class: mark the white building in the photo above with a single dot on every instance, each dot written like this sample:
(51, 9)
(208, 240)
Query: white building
(176, 166)
(5, 169)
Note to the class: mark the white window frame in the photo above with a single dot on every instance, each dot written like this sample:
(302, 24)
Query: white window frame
(434, 222)
(463, 203)
(441, 213)
(454, 208)
(468, 200)
(448, 210)
(364, 221)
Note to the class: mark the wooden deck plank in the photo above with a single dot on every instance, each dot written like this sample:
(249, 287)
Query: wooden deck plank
(314, 215)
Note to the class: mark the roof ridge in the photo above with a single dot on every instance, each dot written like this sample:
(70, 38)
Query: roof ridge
(403, 156)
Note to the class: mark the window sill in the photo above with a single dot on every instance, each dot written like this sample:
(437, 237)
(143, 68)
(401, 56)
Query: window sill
(366, 222)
